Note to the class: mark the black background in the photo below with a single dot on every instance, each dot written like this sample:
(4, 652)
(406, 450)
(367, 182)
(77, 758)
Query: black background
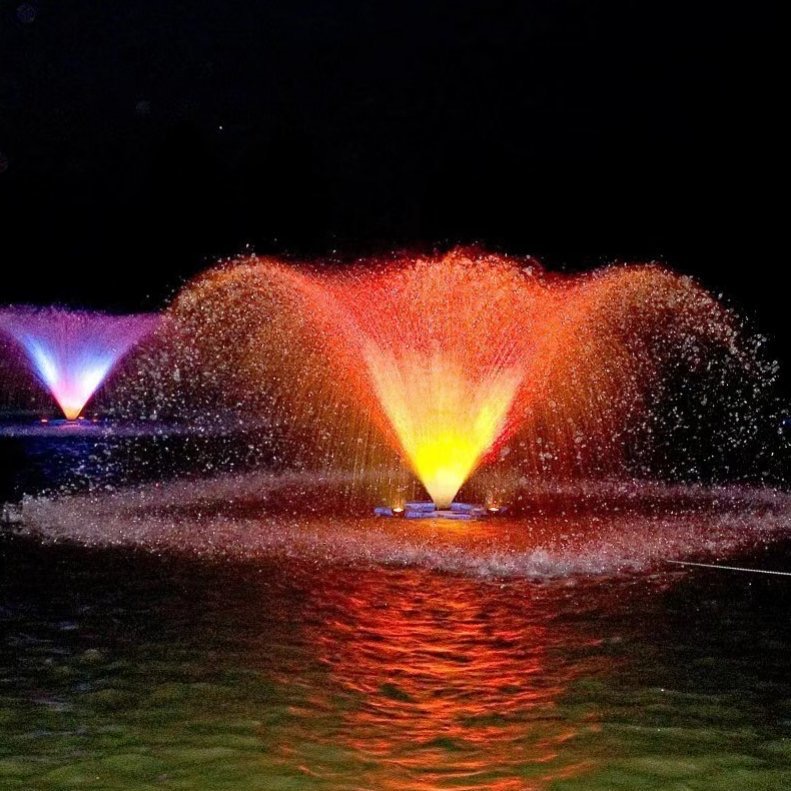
(141, 140)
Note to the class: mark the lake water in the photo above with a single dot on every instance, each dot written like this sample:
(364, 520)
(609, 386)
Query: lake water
(223, 646)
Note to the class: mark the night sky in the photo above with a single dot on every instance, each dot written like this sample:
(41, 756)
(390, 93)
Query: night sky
(141, 140)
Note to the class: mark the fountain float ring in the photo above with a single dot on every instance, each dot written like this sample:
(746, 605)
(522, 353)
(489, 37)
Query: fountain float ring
(428, 510)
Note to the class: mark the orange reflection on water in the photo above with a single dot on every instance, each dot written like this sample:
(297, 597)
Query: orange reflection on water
(453, 683)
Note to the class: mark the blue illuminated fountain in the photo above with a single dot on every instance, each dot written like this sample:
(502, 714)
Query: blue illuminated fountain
(73, 352)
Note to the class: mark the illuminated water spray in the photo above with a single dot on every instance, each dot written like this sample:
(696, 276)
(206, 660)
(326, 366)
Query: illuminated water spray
(73, 352)
(450, 362)
(442, 352)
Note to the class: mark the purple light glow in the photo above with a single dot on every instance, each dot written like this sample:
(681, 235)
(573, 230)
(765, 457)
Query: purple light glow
(73, 352)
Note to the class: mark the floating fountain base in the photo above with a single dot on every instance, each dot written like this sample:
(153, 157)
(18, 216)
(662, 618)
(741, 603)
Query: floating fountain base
(427, 510)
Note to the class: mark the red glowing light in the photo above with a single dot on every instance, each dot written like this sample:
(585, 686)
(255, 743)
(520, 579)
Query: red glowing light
(453, 361)
(414, 663)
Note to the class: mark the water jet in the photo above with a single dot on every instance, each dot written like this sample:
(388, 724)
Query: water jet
(460, 366)
(73, 352)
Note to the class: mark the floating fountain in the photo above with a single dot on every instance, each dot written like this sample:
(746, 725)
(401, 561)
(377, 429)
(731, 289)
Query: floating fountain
(458, 363)
(73, 352)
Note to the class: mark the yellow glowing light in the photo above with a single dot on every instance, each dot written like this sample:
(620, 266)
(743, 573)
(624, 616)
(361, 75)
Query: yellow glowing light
(444, 419)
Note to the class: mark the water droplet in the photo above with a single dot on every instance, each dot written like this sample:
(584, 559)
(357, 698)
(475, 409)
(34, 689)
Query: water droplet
(26, 13)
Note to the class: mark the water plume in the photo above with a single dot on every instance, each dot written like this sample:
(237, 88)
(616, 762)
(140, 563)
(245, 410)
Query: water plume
(451, 363)
(73, 352)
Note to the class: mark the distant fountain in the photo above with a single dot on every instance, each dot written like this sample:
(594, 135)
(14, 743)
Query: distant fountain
(455, 363)
(73, 352)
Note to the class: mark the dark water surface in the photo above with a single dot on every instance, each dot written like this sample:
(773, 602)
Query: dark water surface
(125, 670)
(144, 668)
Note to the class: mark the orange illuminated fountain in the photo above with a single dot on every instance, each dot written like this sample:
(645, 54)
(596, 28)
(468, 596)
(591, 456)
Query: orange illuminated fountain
(450, 362)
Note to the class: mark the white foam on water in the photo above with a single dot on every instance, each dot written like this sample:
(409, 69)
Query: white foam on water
(258, 515)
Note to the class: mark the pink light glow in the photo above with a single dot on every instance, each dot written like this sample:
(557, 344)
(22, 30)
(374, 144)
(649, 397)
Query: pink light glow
(73, 352)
